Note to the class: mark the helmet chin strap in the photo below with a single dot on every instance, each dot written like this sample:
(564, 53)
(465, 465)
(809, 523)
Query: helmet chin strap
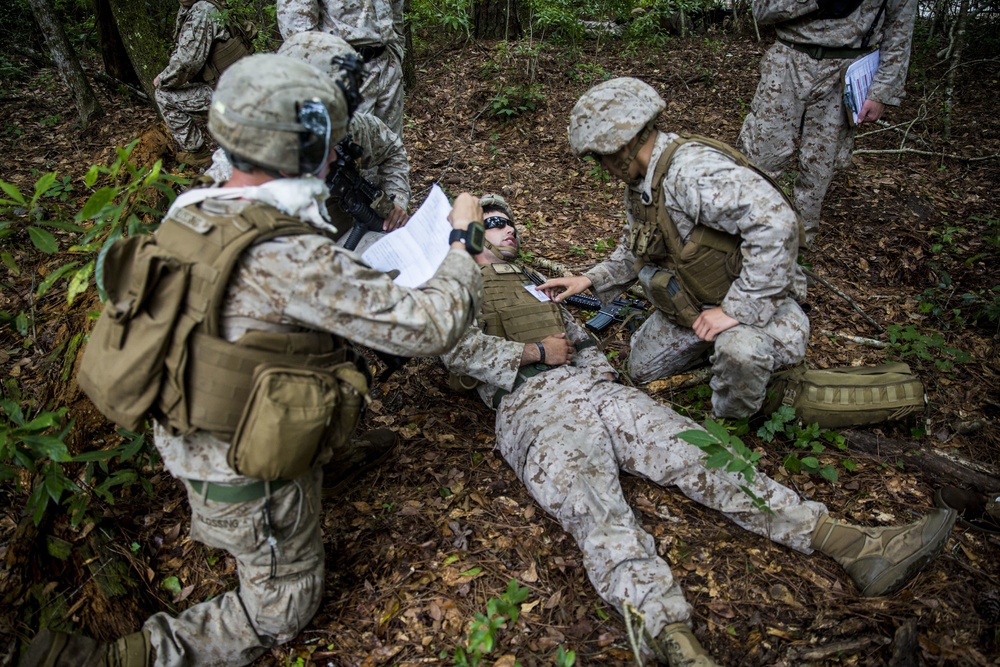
(623, 164)
(495, 250)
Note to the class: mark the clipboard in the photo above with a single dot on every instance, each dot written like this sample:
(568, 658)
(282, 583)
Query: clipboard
(858, 77)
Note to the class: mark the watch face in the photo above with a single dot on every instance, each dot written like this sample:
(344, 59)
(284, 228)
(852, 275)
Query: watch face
(476, 236)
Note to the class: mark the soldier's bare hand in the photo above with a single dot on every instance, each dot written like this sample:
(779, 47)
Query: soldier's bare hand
(711, 323)
(465, 210)
(558, 350)
(398, 218)
(871, 111)
(558, 289)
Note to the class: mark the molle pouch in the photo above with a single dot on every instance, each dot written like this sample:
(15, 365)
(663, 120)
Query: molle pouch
(122, 365)
(531, 322)
(291, 415)
(666, 294)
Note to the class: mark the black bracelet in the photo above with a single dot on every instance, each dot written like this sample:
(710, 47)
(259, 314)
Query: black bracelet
(541, 353)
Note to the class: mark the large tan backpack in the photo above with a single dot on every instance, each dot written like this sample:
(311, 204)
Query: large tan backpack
(847, 396)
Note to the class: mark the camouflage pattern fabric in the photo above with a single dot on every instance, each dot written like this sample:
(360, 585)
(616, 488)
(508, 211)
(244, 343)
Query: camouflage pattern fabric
(743, 358)
(799, 99)
(570, 431)
(180, 107)
(291, 284)
(371, 23)
(705, 186)
(180, 95)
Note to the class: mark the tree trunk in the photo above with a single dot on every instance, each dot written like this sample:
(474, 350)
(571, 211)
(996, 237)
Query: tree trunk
(940, 466)
(67, 62)
(496, 19)
(956, 60)
(142, 43)
(409, 68)
(116, 62)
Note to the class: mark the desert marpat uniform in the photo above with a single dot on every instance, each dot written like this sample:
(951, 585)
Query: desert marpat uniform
(182, 94)
(568, 431)
(286, 284)
(799, 98)
(370, 26)
(704, 185)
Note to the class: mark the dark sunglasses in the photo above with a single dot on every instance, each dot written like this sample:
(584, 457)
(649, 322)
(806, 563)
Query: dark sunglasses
(496, 222)
(314, 141)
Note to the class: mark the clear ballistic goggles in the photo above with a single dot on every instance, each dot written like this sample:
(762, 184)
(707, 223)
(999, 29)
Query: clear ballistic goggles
(314, 141)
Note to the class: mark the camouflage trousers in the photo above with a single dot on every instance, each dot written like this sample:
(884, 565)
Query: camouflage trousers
(569, 431)
(279, 552)
(383, 91)
(742, 361)
(799, 100)
(179, 106)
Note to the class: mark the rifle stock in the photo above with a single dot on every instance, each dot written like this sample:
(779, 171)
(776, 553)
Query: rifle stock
(364, 201)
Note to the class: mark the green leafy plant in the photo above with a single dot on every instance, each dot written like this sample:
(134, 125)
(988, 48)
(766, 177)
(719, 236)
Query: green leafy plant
(37, 446)
(114, 210)
(597, 170)
(483, 630)
(725, 450)
(906, 342)
(565, 658)
(511, 101)
(811, 439)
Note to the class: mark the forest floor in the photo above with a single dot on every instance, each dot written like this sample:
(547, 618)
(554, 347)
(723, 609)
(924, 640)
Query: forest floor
(417, 547)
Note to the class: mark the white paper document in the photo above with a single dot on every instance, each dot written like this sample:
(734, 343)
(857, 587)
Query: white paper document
(858, 79)
(417, 249)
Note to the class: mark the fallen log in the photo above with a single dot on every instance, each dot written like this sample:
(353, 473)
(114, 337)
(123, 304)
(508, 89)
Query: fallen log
(943, 466)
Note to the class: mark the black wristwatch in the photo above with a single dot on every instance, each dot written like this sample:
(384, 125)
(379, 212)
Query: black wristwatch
(472, 237)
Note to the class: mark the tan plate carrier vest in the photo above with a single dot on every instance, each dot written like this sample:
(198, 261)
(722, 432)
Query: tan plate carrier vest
(699, 272)
(208, 379)
(225, 52)
(510, 311)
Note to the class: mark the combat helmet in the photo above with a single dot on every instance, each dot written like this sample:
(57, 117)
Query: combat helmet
(498, 203)
(331, 55)
(610, 114)
(277, 114)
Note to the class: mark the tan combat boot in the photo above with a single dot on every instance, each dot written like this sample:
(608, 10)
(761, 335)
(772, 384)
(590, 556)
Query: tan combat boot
(677, 646)
(366, 451)
(881, 560)
(58, 649)
(196, 159)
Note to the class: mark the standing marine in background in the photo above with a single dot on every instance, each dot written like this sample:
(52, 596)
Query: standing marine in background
(205, 47)
(374, 29)
(800, 101)
(712, 241)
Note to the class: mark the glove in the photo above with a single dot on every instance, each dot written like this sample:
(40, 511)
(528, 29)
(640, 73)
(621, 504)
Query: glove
(835, 9)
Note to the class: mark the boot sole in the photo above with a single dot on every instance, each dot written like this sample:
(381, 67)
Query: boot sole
(895, 577)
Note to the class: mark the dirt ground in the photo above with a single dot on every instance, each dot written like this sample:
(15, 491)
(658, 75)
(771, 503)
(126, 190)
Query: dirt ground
(417, 547)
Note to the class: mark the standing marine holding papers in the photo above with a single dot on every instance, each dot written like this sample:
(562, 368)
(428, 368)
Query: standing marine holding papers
(801, 91)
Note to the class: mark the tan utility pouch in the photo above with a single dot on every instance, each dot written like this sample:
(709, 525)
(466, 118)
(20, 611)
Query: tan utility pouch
(291, 415)
(671, 300)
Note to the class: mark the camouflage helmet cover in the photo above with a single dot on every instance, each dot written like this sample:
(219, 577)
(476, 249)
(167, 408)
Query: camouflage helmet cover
(608, 115)
(255, 109)
(496, 202)
(318, 49)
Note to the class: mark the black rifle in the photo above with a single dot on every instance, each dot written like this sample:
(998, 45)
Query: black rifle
(617, 311)
(364, 201)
